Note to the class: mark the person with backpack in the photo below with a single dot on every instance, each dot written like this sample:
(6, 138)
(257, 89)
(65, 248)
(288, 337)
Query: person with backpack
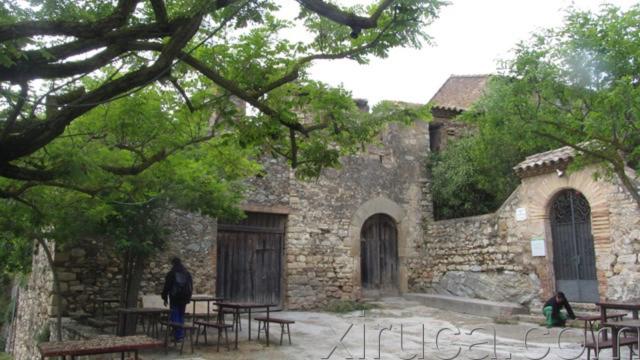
(178, 287)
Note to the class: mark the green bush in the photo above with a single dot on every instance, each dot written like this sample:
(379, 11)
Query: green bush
(345, 306)
(43, 335)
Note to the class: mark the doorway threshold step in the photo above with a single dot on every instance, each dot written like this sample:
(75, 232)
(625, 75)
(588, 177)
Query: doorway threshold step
(465, 305)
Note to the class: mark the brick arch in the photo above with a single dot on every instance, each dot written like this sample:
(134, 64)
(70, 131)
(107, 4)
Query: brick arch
(543, 192)
(378, 205)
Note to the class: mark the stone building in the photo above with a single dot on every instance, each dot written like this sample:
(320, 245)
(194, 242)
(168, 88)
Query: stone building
(367, 229)
(453, 98)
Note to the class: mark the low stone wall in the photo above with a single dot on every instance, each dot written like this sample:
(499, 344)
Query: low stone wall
(34, 306)
(472, 257)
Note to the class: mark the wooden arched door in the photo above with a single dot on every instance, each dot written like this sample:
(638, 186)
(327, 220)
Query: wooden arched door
(379, 254)
(574, 259)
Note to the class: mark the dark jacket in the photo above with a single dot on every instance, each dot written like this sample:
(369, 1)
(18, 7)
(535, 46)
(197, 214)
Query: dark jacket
(557, 306)
(169, 283)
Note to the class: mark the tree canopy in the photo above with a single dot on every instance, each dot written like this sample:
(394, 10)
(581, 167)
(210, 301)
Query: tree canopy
(578, 86)
(575, 86)
(61, 59)
(109, 104)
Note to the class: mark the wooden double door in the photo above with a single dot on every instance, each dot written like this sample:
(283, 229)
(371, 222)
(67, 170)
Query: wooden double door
(250, 257)
(379, 255)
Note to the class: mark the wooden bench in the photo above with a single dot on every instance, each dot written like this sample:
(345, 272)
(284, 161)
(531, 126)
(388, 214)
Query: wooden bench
(596, 346)
(216, 325)
(235, 321)
(99, 345)
(188, 329)
(262, 322)
(597, 342)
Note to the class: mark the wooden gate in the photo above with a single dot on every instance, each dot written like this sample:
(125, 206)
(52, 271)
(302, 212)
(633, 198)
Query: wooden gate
(249, 259)
(574, 257)
(379, 254)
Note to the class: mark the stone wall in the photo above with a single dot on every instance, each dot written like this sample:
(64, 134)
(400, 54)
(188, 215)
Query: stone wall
(444, 129)
(92, 268)
(489, 256)
(34, 306)
(474, 257)
(326, 216)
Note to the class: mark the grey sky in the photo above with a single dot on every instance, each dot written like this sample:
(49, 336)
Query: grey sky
(469, 38)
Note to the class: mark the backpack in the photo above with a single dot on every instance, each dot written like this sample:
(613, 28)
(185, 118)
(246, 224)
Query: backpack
(182, 287)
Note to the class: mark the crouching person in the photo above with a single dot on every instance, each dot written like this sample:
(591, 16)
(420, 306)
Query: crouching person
(553, 313)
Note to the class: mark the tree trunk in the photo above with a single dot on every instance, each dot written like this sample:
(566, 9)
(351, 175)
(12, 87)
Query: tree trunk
(56, 287)
(628, 184)
(133, 269)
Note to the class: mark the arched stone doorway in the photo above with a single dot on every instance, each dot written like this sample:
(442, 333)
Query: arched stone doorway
(574, 259)
(379, 255)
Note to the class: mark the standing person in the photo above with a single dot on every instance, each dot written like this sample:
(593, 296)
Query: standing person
(552, 310)
(178, 287)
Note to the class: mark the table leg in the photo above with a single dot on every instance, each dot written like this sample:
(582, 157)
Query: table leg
(208, 309)
(237, 325)
(193, 313)
(635, 314)
(603, 319)
(249, 324)
(615, 348)
(267, 326)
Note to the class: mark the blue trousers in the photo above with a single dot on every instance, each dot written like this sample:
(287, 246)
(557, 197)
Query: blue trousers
(177, 315)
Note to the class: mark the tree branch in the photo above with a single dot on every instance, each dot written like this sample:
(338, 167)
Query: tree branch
(17, 108)
(68, 28)
(157, 157)
(335, 14)
(25, 72)
(21, 173)
(44, 132)
(293, 74)
(160, 10)
(176, 85)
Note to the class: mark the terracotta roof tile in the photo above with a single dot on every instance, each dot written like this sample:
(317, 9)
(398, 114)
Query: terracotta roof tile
(459, 92)
(545, 161)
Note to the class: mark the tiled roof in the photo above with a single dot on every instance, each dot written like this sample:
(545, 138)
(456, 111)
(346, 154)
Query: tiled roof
(459, 92)
(545, 161)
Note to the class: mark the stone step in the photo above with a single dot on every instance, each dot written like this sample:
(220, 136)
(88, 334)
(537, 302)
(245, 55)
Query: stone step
(468, 305)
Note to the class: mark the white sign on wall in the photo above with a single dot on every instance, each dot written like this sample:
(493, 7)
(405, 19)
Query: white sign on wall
(521, 214)
(538, 247)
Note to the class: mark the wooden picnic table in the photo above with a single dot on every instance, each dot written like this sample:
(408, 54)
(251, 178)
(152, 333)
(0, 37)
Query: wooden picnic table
(616, 327)
(604, 306)
(153, 314)
(98, 345)
(202, 298)
(633, 307)
(236, 307)
(590, 321)
(103, 301)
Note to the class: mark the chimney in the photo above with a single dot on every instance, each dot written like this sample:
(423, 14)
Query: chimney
(362, 104)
